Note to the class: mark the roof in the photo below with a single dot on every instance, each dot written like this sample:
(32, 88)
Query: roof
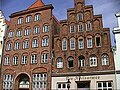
(38, 3)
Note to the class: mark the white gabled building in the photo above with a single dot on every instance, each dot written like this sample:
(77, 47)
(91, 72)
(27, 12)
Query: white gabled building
(116, 50)
(3, 26)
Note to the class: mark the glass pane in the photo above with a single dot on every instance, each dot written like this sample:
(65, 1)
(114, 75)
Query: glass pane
(64, 86)
(104, 84)
(59, 85)
(109, 84)
(99, 84)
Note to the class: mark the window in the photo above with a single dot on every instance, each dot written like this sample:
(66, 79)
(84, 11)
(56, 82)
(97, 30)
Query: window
(70, 62)
(44, 57)
(59, 63)
(20, 21)
(33, 58)
(45, 28)
(37, 17)
(28, 19)
(19, 33)
(80, 27)
(98, 41)
(15, 60)
(105, 85)
(45, 42)
(8, 46)
(72, 28)
(36, 30)
(81, 43)
(39, 81)
(88, 26)
(105, 59)
(17, 46)
(34, 43)
(79, 16)
(62, 86)
(24, 59)
(64, 44)
(72, 44)
(89, 42)
(10, 34)
(27, 32)
(7, 82)
(93, 61)
(7, 60)
(81, 61)
(25, 44)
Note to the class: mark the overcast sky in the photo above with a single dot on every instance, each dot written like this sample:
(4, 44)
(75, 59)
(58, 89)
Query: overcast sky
(107, 8)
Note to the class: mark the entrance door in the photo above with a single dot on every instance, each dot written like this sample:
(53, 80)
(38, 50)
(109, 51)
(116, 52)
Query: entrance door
(83, 85)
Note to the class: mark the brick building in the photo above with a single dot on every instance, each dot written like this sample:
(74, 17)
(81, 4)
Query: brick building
(26, 63)
(43, 53)
(82, 52)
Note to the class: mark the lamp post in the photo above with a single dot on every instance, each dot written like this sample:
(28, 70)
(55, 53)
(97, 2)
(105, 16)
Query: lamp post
(68, 84)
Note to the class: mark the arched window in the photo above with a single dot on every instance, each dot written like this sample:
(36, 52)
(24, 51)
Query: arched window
(36, 29)
(8, 46)
(88, 26)
(7, 60)
(64, 44)
(105, 59)
(81, 43)
(44, 57)
(19, 33)
(79, 16)
(81, 61)
(24, 59)
(72, 44)
(37, 17)
(45, 28)
(34, 58)
(35, 43)
(27, 32)
(93, 61)
(89, 42)
(15, 60)
(45, 41)
(98, 40)
(72, 28)
(70, 62)
(59, 63)
(20, 20)
(25, 44)
(17, 45)
(28, 19)
(80, 27)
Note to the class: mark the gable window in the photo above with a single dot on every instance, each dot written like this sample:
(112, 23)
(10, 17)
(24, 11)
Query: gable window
(33, 58)
(25, 44)
(15, 60)
(36, 30)
(19, 33)
(37, 17)
(27, 32)
(88, 26)
(28, 19)
(17, 46)
(89, 43)
(79, 16)
(72, 28)
(93, 61)
(8, 46)
(45, 42)
(45, 28)
(70, 62)
(10, 34)
(34, 43)
(81, 43)
(7, 60)
(7, 82)
(105, 59)
(20, 20)
(80, 27)
(72, 44)
(24, 59)
(64, 44)
(81, 61)
(44, 57)
(59, 63)
(98, 41)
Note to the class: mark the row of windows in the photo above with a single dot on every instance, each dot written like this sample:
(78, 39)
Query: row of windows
(24, 59)
(26, 44)
(81, 27)
(81, 61)
(27, 31)
(81, 43)
(28, 19)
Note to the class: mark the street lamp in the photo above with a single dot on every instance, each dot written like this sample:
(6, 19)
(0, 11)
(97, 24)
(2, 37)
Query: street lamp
(68, 84)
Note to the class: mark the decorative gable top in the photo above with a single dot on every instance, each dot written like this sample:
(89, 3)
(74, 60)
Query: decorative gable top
(38, 3)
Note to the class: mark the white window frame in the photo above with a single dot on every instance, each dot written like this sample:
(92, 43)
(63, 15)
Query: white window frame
(81, 62)
(28, 19)
(80, 27)
(59, 63)
(7, 60)
(25, 44)
(93, 61)
(72, 28)
(105, 59)
(45, 28)
(89, 43)
(88, 26)
(19, 33)
(8, 46)
(64, 44)
(44, 58)
(79, 16)
(24, 59)
(33, 58)
(37, 17)
(27, 32)
(17, 46)
(45, 42)
(81, 43)
(10, 34)
(15, 60)
(34, 43)
(20, 20)
(72, 44)
(36, 29)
